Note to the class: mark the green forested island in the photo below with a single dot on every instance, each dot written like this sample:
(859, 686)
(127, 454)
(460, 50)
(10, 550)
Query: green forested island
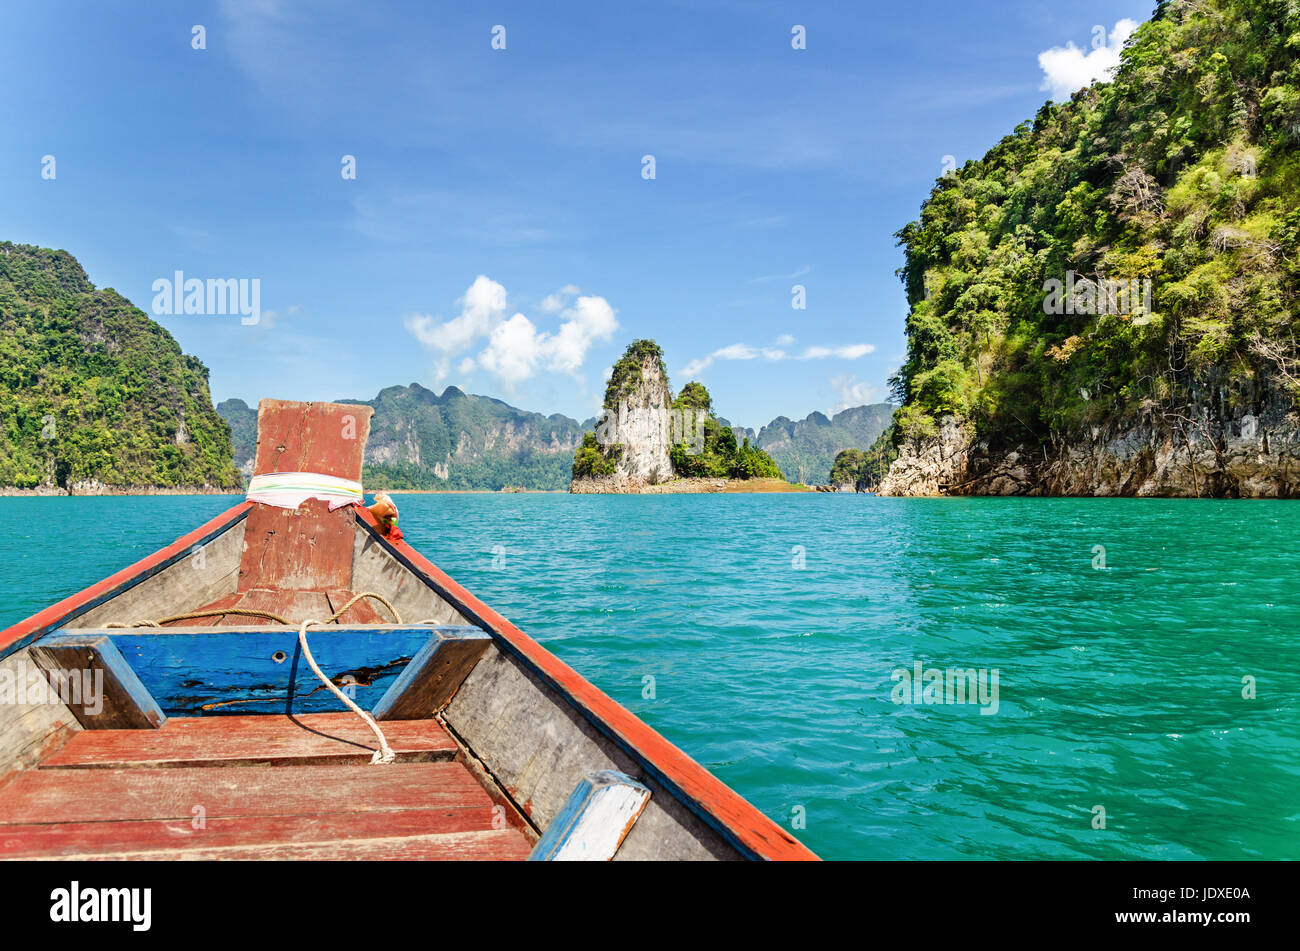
(647, 436)
(93, 393)
(1108, 297)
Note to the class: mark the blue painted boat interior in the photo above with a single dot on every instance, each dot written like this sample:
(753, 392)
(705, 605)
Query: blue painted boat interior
(236, 670)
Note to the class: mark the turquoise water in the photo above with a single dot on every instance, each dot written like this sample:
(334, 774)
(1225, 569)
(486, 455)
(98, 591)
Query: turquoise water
(1119, 686)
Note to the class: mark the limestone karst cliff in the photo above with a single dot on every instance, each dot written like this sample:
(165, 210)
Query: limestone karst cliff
(1106, 303)
(1207, 455)
(645, 437)
(639, 400)
(95, 396)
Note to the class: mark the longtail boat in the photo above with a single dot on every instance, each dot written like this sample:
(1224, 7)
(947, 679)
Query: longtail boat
(293, 680)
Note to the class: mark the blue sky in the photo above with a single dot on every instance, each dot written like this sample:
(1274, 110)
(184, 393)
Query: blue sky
(499, 233)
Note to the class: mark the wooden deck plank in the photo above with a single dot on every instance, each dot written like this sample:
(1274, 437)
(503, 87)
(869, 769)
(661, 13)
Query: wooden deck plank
(505, 845)
(55, 840)
(133, 793)
(246, 740)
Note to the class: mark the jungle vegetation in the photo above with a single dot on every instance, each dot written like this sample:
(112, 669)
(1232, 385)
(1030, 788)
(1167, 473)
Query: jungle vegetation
(1184, 171)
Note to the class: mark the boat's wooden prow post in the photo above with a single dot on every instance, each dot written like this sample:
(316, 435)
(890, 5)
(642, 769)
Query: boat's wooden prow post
(310, 547)
(594, 821)
(95, 682)
(433, 676)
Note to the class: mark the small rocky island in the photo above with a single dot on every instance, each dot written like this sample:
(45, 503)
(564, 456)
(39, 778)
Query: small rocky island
(648, 441)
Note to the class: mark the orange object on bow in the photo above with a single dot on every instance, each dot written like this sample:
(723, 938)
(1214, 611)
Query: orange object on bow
(385, 513)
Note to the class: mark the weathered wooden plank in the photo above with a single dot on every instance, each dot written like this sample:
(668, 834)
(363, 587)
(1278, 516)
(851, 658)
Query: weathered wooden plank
(302, 548)
(433, 676)
(310, 547)
(594, 822)
(32, 723)
(228, 601)
(329, 438)
(375, 569)
(249, 740)
(258, 669)
(116, 794)
(503, 845)
(96, 682)
(55, 840)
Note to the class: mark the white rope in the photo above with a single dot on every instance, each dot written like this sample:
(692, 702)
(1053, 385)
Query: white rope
(385, 752)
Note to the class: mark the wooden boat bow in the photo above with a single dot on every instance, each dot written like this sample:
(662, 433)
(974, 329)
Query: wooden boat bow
(502, 750)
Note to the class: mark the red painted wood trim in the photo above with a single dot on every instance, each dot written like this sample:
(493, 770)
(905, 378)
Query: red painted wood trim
(24, 632)
(753, 830)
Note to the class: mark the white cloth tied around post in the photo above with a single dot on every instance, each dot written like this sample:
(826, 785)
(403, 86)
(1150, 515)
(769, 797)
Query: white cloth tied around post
(288, 490)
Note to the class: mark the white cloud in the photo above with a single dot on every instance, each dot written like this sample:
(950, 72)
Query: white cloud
(798, 272)
(850, 352)
(1067, 69)
(482, 308)
(516, 348)
(589, 320)
(850, 392)
(555, 302)
(512, 351)
(741, 351)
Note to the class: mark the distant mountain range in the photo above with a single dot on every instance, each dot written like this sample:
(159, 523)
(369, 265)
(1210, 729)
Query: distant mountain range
(805, 449)
(420, 440)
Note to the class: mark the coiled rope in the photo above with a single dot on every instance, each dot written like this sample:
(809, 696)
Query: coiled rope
(385, 752)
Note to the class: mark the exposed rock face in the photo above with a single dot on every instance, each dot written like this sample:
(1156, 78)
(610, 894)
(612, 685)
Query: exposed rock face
(629, 448)
(1245, 456)
(930, 466)
(640, 425)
